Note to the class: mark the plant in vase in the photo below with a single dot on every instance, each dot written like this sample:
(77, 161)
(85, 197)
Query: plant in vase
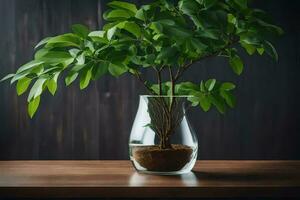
(165, 37)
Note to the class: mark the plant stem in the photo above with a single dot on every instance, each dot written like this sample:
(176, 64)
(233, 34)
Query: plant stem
(165, 143)
(138, 76)
(158, 74)
(164, 139)
(172, 87)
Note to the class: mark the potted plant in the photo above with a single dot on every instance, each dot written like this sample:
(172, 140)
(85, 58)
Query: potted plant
(166, 37)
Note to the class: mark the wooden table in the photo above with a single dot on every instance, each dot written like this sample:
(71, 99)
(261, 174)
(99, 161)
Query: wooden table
(118, 179)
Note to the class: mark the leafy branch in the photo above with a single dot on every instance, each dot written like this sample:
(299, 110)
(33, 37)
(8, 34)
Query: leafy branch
(165, 37)
(182, 69)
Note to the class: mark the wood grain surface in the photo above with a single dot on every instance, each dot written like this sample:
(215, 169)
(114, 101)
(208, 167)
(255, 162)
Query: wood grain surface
(61, 179)
(95, 123)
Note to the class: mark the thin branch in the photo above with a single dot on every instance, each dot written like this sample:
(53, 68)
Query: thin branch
(138, 76)
(179, 71)
(172, 81)
(158, 75)
(159, 82)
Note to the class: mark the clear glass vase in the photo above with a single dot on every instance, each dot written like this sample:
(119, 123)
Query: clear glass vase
(162, 140)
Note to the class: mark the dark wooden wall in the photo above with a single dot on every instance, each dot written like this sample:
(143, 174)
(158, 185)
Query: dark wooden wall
(95, 123)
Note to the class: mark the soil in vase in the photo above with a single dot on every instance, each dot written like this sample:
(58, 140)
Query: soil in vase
(154, 158)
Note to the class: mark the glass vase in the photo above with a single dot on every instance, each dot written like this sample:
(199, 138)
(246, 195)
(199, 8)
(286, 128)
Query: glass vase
(162, 140)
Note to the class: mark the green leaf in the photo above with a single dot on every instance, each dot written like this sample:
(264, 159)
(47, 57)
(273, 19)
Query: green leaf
(100, 34)
(249, 48)
(202, 87)
(205, 102)
(231, 18)
(140, 14)
(52, 84)
(67, 40)
(117, 14)
(250, 38)
(107, 26)
(188, 7)
(149, 60)
(209, 33)
(271, 28)
(36, 89)
(90, 45)
(50, 70)
(236, 64)
(74, 52)
(99, 70)
(33, 106)
(70, 78)
(55, 57)
(186, 87)
(229, 98)
(123, 5)
(85, 78)
(218, 103)
(39, 70)
(118, 56)
(29, 65)
(78, 68)
(19, 76)
(167, 53)
(227, 86)
(269, 48)
(199, 46)
(168, 22)
(130, 27)
(7, 77)
(22, 85)
(260, 51)
(209, 3)
(193, 100)
(111, 32)
(80, 30)
(75, 71)
(80, 59)
(169, 4)
(42, 42)
(242, 3)
(179, 33)
(156, 27)
(40, 53)
(117, 69)
(210, 84)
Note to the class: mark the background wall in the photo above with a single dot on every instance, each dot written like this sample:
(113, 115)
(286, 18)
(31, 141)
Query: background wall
(95, 123)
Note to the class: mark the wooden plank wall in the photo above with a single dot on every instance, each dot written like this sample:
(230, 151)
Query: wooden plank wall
(95, 123)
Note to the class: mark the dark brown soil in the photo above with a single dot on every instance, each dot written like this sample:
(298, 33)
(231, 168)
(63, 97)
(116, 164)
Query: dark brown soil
(162, 160)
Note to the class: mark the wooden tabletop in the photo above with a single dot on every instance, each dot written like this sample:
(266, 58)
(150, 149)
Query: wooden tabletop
(119, 179)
